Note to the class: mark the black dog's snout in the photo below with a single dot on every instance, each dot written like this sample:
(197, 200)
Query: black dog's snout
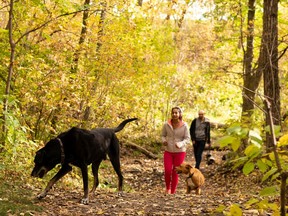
(39, 172)
(33, 173)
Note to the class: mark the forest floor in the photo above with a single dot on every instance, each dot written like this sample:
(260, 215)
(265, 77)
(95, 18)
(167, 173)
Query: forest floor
(144, 192)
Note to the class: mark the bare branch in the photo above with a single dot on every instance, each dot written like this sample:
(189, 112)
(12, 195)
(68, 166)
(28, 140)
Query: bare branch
(47, 22)
(282, 53)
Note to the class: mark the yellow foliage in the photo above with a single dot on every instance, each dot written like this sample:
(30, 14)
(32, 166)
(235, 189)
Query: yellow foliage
(283, 140)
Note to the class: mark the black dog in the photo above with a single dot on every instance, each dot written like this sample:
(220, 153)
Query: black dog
(80, 148)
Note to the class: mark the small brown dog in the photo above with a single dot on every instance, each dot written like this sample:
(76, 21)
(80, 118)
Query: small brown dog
(194, 175)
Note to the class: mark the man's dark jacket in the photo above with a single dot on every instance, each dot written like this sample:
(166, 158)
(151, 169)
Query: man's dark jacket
(207, 130)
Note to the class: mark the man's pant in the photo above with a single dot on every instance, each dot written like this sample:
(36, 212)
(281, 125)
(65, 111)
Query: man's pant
(199, 147)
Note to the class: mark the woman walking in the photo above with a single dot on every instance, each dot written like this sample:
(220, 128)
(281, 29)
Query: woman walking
(175, 137)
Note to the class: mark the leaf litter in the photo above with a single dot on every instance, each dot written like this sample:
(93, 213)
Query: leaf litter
(144, 192)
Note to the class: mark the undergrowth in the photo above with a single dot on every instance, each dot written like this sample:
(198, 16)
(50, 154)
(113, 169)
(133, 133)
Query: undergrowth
(15, 197)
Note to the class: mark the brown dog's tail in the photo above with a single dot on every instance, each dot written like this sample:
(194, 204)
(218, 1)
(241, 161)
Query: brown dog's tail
(122, 124)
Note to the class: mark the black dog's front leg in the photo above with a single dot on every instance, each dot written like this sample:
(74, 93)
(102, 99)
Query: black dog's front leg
(63, 171)
(85, 199)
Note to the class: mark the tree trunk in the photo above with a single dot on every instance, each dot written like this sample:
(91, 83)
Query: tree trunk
(10, 73)
(251, 76)
(101, 26)
(269, 63)
(181, 19)
(140, 2)
(74, 66)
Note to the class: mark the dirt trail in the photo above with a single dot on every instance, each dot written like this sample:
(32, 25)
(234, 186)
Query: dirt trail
(144, 193)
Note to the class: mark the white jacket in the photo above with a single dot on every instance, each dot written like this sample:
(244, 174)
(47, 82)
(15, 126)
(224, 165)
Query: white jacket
(179, 135)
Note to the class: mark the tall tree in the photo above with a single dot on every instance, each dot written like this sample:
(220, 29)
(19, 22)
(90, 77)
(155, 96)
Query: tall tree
(269, 62)
(76, 57)
(10, 69)
(251, 76)
(101, 25)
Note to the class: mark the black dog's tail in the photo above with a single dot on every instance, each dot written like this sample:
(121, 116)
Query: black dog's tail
(122, 124)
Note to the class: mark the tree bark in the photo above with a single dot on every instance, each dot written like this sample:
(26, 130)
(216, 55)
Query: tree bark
(101, 26)
(181, 19)
(10, 73)
(140, 2)
(83, 33)
(251, 77)
(269, 63)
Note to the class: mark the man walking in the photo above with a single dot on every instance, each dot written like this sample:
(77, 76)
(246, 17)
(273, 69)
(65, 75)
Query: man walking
(200, 135)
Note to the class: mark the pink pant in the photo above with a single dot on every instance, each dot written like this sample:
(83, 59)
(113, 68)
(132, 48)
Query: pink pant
(171, 160)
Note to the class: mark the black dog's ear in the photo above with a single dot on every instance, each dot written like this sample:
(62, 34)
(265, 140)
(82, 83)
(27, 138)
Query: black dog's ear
(39, 157)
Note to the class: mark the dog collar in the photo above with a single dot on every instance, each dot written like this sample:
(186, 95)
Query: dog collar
(62, 151)
(190, 176)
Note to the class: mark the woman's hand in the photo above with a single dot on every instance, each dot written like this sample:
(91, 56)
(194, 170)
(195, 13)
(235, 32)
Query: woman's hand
(178, 145)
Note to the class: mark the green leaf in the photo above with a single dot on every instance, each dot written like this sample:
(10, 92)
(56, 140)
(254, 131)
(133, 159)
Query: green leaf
(239, 162)
(226, 140)
(220, 208)
(235, 210)
(268, 174)
(252, 150)
(251, 202)
(248, 168)
(272, 156)
(244, 132)
(267, 161)
(275, 176)
(256, 138)
(277, 129)
(262, 166)
(235, 145)
(269, 191)
(234, 130)
(264, 204)
(267, 129)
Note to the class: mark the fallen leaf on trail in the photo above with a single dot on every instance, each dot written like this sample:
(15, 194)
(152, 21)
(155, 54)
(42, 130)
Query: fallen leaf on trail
(144, 189)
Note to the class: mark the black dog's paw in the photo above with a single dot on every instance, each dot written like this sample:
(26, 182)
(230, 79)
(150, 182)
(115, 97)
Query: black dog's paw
(85, 201)
(41, 195)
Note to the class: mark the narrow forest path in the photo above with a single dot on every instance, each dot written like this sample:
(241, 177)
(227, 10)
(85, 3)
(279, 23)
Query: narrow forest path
(144, 192)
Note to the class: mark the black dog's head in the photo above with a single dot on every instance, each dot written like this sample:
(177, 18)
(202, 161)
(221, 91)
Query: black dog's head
(46, 158)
